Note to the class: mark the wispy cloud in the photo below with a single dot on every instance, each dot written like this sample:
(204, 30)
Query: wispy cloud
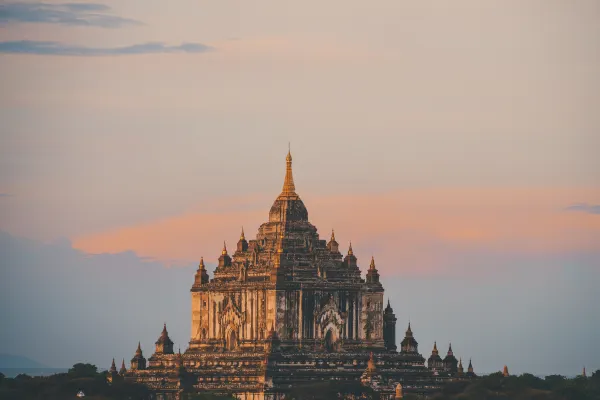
(585, 207)
(62, 49)
(4, 194)
(77, 14)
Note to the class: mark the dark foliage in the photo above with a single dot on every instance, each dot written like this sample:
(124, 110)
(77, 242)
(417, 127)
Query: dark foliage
(524, 387)
(66, 385)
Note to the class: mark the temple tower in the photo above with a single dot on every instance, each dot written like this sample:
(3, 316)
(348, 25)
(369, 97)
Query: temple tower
(389, 328)
(435, 361)
(409, 344)
(138, 361)
(372, 274)
(201, 277)
(164, 344)
(450, 361)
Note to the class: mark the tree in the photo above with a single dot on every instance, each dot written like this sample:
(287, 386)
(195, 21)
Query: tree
(81, 370)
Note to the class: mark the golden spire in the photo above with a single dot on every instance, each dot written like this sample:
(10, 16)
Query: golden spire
(201, 266)
(242, 236)
(435, 350)
(372, 266)
(288, 184)
(332, 235)
(350, 252)
(224, 252)
(399, 394)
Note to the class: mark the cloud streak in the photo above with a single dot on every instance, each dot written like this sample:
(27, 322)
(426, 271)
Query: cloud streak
(425, 231)
(585, 207)
(62, 49)
(74, 14)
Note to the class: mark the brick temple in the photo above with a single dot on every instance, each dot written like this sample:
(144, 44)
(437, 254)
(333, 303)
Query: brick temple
(288, 308)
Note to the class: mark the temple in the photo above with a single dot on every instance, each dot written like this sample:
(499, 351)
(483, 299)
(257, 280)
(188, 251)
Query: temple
(287, 308)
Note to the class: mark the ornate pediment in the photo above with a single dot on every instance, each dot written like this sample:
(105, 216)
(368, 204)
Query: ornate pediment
(330, 316)
(232, 314)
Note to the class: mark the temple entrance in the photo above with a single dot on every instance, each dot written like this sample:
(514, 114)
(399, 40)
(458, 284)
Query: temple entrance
(231, 341)
(329, 341)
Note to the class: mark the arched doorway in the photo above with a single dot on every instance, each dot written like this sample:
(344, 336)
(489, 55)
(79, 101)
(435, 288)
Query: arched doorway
(330, 341)
(231, 341)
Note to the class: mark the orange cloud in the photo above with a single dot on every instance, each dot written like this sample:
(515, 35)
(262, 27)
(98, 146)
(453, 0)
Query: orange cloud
(412, 229)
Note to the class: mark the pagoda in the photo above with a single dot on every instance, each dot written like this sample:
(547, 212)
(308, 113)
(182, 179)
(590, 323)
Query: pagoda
(284, 309)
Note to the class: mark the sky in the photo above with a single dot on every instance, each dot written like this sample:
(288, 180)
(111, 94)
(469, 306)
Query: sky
(455, 142)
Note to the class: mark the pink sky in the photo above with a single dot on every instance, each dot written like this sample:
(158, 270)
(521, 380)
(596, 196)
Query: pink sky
(396, 226)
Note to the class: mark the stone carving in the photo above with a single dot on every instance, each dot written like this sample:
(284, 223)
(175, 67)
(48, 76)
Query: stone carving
(286, 306)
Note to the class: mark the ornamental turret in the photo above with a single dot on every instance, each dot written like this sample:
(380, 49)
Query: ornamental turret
(179, 359)
(470, 371)
(389, 328)
(450, 362)
(138, 361)
(123, 370)
(461, 370)
(242, 244)
(372, 274)
(164, 344)
(112, 375)
(350, 259)
(435, 361)
(333, 245)
(409, 344)
(201, 277)
(224, 260)
(113, 367)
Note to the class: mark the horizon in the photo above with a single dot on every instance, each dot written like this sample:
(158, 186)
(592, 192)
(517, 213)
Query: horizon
(457, 145)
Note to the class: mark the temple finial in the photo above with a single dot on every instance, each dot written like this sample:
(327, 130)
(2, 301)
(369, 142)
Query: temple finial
(332, 234)
(435, 347)
(224, 252)
(372, 266)
(201, 265)
(350, 252)
(288, 184)
(242, 236)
